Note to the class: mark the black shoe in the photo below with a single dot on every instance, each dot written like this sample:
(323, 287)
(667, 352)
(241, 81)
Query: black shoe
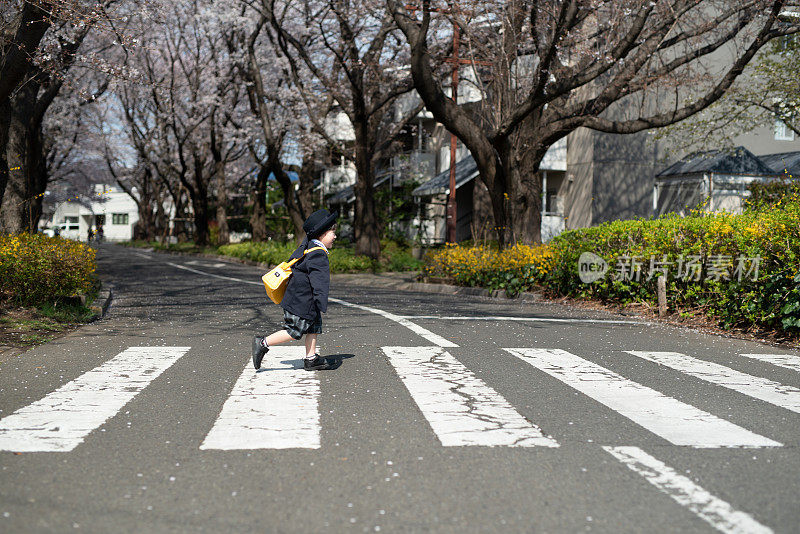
(316, 364)
(258, 351)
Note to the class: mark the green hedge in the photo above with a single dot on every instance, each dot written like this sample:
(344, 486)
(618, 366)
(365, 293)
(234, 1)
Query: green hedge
(718, 242)
(768, 238)
(35, 268)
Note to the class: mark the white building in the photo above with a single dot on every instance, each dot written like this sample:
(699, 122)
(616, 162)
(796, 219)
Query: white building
(110, 208)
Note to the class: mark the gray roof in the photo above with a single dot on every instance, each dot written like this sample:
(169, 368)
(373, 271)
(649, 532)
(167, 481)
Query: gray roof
(782, 162)
(348, 194)
(736, 161)
(466, 170)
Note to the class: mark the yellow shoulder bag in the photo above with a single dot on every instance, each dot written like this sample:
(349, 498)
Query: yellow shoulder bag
(276, 280)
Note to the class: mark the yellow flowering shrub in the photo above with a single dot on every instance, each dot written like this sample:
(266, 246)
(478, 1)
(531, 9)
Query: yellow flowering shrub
(37, 268)
(514, 269)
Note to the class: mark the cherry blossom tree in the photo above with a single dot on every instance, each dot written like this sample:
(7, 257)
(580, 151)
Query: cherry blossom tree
(353, 52)
(49, 36)
(276, 112)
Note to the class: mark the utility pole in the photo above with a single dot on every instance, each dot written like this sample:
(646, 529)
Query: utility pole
(457, 61)
(452, 205)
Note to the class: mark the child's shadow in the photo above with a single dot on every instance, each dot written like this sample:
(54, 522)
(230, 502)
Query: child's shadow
(334, 360)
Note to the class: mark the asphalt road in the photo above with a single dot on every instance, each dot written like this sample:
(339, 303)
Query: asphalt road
(427, 423)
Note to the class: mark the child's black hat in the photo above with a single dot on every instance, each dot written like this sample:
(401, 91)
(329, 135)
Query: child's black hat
(318, 222)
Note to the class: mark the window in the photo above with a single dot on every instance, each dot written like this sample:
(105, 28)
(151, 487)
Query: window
(119, 218)
(71, 223)
(783, 132)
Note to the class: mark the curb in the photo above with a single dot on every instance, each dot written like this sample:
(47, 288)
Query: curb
(102, 302)
(525, 296)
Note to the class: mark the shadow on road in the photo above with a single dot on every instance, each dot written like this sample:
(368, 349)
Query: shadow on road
(335, 361)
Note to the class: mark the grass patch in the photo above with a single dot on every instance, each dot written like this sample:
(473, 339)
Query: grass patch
(27, 326)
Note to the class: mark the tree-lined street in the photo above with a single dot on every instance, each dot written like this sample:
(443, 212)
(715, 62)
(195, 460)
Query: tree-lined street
(443, 413)
(190, 105)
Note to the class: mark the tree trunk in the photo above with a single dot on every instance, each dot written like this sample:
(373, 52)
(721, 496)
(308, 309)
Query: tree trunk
(216, 142)
(525, 185)
(306, 179)
(482, 226)
(179, 227)
(199, 198)
(200, 221)
(365, 223)
(17, 210)
(222, 204)
(34, 21)
(39, 176)
(161, 216)
(145, 204)
(258, 220)
(5, 119)
(290, 199)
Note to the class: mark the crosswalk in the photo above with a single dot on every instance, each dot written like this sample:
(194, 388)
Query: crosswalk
(279, 408)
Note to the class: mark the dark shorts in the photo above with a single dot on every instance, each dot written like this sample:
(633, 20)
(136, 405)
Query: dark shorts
(297, 327)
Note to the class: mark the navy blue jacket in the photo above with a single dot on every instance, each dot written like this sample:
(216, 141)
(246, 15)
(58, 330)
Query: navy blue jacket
(307, 291)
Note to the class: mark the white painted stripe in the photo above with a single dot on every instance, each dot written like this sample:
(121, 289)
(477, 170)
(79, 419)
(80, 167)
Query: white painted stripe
(60, 421)
(533, 319)
(274, 408)
(461, 408)
(231, 278)
(685, 492)
(199, 263)
(788, 361)
(427, 334)
(673, 420)
(753, 386)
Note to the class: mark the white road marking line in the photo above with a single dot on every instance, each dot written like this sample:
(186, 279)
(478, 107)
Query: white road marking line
(199, 263)
(427, 334)
(60, 421)
(713, 510)
(673, 420)
(753, 386)
(277, 408)
(788, 361)
(535, 319)
(213, 275)
(461, 408)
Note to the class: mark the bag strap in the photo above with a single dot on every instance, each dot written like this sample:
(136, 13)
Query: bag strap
(292, 262)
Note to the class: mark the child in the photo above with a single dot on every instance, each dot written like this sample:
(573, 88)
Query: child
(306, 297)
